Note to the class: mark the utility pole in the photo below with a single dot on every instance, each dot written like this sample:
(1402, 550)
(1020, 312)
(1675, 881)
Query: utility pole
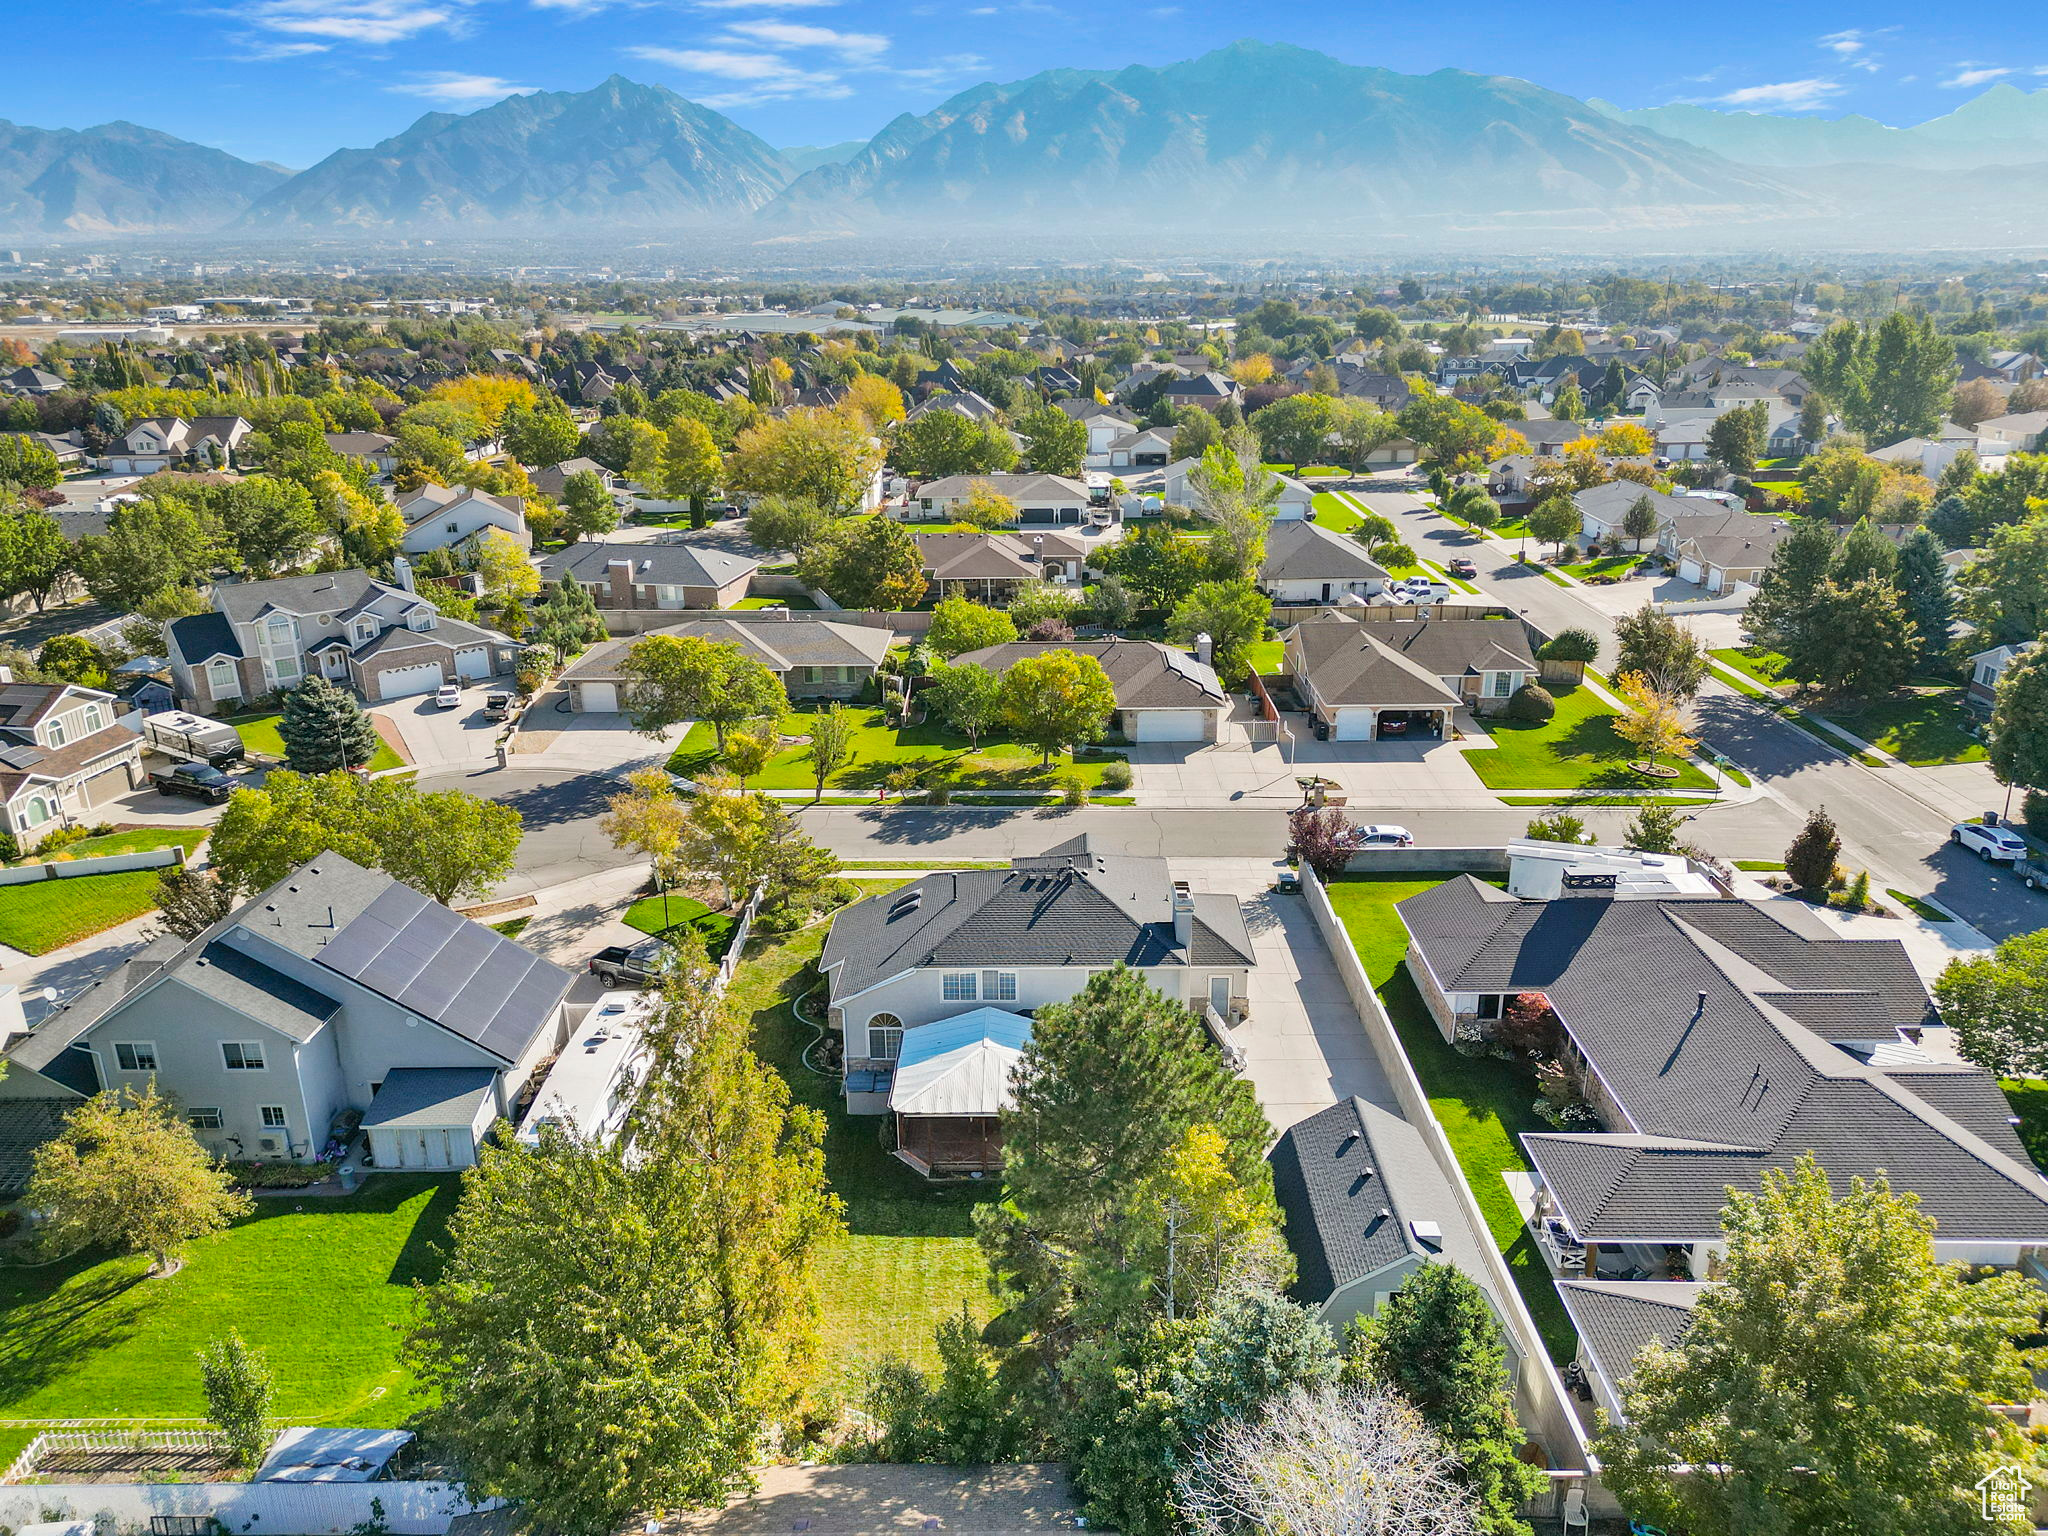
(1175, 1214)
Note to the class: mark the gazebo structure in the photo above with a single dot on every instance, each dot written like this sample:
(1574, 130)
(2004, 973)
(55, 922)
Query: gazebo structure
(951, 1085)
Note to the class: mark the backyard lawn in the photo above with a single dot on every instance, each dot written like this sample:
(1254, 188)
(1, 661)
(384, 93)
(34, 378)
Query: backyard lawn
(877, 749)
(908, 1256)
(259, 735)
(323, 1285)
(662, 914)
(1264, 655)
(1924, 727)
(1577, 748)
(1482, 1104)
(792, 603)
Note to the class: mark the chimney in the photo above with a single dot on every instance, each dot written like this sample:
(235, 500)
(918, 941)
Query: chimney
(1183, 914)
(1205, 649)
(401, 572)
(619, 573)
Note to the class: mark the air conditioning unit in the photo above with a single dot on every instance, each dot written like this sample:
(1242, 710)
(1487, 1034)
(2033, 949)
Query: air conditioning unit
(267, 1143)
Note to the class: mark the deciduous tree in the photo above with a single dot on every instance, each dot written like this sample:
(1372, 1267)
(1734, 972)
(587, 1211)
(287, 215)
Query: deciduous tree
(942, 443)
(1655, 722)
(1653, 643)
(238, 1386)
(1554, 519)
(786, 522)
(967, 697)
(1998, 1005)
(960, 625)
(865, 562)
(587, 507)
(674, 678)
(828, 456)
(1054, 442)
(1055, 699)
(1233, 614)
(831, 745)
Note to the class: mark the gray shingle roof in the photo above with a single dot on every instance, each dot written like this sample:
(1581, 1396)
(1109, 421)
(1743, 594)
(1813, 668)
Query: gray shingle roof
(777, 643)
(317, 592)
(1402, 664)
(429, 1097)
(1346, 1198)
(202, 636)
(656, 565)
(1143, 673)
(257, 991)
(1715, 1092)
(1070, 907)
(1616, 1319)
(1299, 550)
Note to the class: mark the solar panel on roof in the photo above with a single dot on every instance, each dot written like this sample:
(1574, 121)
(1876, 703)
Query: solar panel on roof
(438, 989)
(22, 757)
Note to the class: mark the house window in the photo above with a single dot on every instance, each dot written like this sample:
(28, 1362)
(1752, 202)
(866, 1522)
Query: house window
(1502, 684)
(38, 811)
(242, 1055)
(424, 619)
(220, 679)
(273, 1117)
(957, 986)
(135, 1055)
(56, 733)
(885, 1037)
(203, 1119)
(1987, 675)
(999, 986)
(93, 721)
(455, 527)
(1489, 1005)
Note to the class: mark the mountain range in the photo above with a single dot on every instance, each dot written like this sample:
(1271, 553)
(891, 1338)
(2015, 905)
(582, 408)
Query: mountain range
(1255, 136)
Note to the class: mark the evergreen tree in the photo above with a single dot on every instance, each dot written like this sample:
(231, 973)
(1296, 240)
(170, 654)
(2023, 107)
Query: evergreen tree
(1437, 1340)
(1952, 523)
(1864, 555)
(1856, 640)
(1811, 859)
(2019, 722)
(324, 728)
(568, 619)
(1790, 585)
(1924, 583)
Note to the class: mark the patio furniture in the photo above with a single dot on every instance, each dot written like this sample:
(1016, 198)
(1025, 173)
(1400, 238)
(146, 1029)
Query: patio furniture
(1575, 1511)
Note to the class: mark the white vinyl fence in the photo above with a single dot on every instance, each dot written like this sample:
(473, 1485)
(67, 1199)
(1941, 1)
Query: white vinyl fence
(302, 1509)
(107, 864)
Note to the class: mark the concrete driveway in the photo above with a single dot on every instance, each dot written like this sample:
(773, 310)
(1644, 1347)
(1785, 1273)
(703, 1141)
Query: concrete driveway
(590, 743)
(1304, 1045)
(437, 738)
(1420, 772)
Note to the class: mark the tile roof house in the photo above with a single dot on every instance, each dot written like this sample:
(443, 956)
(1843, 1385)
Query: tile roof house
(1714, 1042)
(1018, 939)
(1364, 679)
(1162, 694)
(62, 755)
(384, 641)
(163, 442)
(451, 516)
(1308, 563)
(815, 657)
(656, 575)
(1364, 1205)
(993, 565)
(338, 988)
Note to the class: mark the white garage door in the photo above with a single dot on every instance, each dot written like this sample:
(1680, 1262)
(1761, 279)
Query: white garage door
(1689, 570)
(403, 682)
(473, 663)
(600, 697)
(1168, 725)
(1353, 725)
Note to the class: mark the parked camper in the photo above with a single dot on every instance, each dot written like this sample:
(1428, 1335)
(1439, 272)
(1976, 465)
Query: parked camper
(178, 734)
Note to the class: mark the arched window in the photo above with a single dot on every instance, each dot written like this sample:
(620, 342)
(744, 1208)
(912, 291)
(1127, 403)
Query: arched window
(39, 812)
(93, 722)
(885, 1037)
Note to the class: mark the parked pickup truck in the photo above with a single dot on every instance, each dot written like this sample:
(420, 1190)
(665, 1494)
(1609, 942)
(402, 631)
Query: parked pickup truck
(629, 965)
(198, 780)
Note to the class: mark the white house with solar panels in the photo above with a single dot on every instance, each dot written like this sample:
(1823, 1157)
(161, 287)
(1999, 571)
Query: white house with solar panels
(337, 989)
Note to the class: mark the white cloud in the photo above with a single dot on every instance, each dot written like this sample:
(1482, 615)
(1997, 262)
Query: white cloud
(762, 5)
(1968, 76)
(256, 50)
(1852, 47)
(355, 21)
(459, 90)
(766, 76)
(854, 47)
(1786, 95)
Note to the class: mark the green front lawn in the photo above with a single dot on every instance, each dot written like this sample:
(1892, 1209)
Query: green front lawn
(260, 735)
(877, 749)
(50, 914)
(1755, 663)
(908, 1256)
(137, 840)
(1924, 727)
(1616, 566)
(324, 1286)
(664, 914)
(1482, 1104)
(1577, 748)
(1335, 513)
(791, 603)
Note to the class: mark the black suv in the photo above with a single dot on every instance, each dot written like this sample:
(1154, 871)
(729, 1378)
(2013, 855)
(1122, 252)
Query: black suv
(198, 780)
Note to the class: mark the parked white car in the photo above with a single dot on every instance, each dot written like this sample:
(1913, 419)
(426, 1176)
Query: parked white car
(1992, 844)
(448, 697)
(1383, 835)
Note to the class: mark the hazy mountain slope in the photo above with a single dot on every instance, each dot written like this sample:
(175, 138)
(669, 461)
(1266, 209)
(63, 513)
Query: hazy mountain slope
(619, 155)
(1270, 133)
(118, 178)
(2004, 126)
(804, 157)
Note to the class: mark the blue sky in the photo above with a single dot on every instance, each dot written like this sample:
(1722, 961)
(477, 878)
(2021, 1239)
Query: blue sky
(292, 80)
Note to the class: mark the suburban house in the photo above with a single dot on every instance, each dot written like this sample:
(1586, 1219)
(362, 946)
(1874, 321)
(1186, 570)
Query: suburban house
(63, 753)
(384, 641)
(1039, 498)
(1712, 1039)
(372, 448)
(1616, 1320)
(1208, 390)
(68, 447)
(1144, 448)
(1365, 680)
(337, 989)
(1296, 501)
(948, 950)
(1987, 667)
(163, 442)
(814, 657)
(1548, 438)
(1719, 549)
(963, 402)
(1105, 423)
(2022, 433)
(1162, 695)
(553, 481)
(31, 381)
(448, 516)
(663, 575)
(1603, 509)
(1364, 1206)
(1308, 563)
(992, 566)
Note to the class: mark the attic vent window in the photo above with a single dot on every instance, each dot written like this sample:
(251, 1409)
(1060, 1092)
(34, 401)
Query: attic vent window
(1428, 1233)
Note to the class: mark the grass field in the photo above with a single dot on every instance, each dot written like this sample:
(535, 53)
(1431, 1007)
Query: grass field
(323, 1285)
(52, 913)
(877, 749)
(1628, 801)
(1920, 909)
(1604, 565)
(662, 914)
(908, 1257)
(1925, 727)
(1577, 748)
(1482, 1104)
(1335, 513)
(2029, 1101)
(1264, 655)
(259, 734)
(794, 604)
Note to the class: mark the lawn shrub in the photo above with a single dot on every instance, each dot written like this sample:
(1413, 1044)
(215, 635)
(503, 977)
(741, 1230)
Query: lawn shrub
(1532, 703)
(275, 1175)
(1116, 775)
